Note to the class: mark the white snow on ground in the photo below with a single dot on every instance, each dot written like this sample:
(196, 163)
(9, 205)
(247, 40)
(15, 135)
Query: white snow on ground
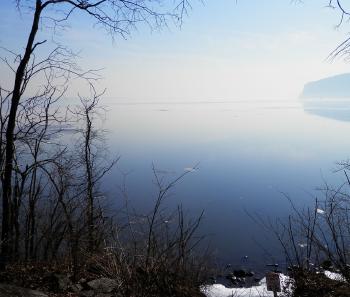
(218, 290)
(334, 276)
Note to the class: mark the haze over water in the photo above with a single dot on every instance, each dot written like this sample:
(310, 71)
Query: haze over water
(249, 154)
(248, 151)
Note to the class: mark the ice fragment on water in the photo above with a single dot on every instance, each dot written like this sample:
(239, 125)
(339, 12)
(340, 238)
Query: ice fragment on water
(320, 211)
(189, 169)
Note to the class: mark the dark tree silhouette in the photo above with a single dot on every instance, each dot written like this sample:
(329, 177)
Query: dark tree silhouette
(118, 17)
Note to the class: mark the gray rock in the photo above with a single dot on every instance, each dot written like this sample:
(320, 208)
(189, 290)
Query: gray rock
(82, 281)
(76, 288)
(63, 281)
(14, 291)
(103, 285)
(89, 293)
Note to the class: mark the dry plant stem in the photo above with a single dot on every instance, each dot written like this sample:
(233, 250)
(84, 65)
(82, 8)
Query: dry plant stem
(318, 233)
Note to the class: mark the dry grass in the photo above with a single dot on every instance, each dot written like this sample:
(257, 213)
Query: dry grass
(309, 284)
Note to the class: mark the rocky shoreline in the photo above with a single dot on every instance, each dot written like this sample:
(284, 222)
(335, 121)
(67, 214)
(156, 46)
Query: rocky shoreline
(62, 285)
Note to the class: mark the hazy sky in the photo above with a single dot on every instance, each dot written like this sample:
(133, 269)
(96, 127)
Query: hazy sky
(225, 50)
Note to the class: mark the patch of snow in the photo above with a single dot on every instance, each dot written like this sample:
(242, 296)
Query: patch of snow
(218, 290)
(334, 276)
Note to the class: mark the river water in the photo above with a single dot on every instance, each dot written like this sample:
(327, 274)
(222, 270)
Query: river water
(249, 156)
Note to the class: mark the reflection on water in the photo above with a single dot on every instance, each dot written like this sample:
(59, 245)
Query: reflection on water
(337, 109)
(249, 153)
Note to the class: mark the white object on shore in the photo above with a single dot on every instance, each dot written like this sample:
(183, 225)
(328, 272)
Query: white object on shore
(218, 290)
(334, 276)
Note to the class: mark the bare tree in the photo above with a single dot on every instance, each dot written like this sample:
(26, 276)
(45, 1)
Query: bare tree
(158, 252)
(91, 147)
(342, 49)
(318, 234)
(117, 17)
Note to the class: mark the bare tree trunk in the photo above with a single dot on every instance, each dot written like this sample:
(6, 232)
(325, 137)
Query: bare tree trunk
(34, 191)
(6, 235)
(90, 198)
(17, 201)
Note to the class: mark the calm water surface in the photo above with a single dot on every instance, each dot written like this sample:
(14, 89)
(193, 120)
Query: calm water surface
(249, 153)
